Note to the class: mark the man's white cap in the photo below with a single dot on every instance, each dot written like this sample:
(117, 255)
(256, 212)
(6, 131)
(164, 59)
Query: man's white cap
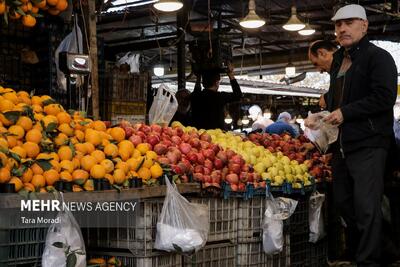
(350, 12)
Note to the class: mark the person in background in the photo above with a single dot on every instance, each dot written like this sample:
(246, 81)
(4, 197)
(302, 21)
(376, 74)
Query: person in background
(320, 53)
(183, 112)
(208, 104)
(361, 96)
(260, 122)
(282, 125)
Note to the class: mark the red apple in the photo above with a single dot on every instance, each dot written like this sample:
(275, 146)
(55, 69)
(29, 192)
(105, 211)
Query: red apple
(160, 149)
(128, 132)
(198, 176)
(243, 177)
(185, 138)
(198, 169)
(241, 187)
(234, 187)
(237, 159)
(207, 178)
(204, 144)
(230, 153)
(185, 148)
(205, 137)
(176, 169)
(208, 164)
(200, 158)
(135, 139)
(153, 139)
(232, 178)
(176, 140)
(207, 171)
(234, 167)
(218, 164)
(194, 142)
(166, 143)
(163, 160)
(192, 157)
(178, 130)
(156, 128)
(209, 154)
(145, 128)
(222, 156)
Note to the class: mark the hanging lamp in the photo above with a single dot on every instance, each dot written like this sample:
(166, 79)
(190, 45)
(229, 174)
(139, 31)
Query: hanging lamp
(294, 23)
(252, 20)
(168, 5)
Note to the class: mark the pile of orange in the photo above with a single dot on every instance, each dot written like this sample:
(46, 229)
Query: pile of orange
(28, 10)
(41, 143)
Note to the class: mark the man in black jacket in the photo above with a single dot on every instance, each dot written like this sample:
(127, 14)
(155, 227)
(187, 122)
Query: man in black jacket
(361, 97)
(208, 104)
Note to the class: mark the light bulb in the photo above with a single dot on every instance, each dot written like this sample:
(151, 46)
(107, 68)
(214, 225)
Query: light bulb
(228, 119)
(294, 23)
(307, 31)
(245, 120)
(158, 70)
(252, 20)
(168, 5)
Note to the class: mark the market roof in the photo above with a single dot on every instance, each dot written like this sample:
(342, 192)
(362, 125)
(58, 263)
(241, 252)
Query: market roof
(138, 27)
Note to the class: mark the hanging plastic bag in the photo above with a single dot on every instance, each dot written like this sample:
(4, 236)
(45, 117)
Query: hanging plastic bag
(315, 217)
(277, 210)
(320, 133)
(72, 43)
(182, 226)
(164, 106)
(64, 242)
(132, 60)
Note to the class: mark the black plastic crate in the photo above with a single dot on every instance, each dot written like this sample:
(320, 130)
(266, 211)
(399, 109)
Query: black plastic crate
(298, 246)
(21, 245)
(214, 255)
(298, 222)
(317, 254)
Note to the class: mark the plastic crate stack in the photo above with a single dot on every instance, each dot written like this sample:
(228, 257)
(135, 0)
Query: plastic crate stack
(22, 246)
(124, 96)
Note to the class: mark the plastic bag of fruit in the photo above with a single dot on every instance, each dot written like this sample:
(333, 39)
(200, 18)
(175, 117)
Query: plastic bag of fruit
(277, 211)
(315, 217)
(64, 242)
(182, 226)
(164, 106)
(320, 133)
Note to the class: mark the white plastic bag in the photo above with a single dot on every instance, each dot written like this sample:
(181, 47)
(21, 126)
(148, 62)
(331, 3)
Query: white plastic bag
(277, 210)
(315, 217)
(72, 43)
(320, 133)
(164, 106)
(132, 60)
(64, 242)
(182, 226)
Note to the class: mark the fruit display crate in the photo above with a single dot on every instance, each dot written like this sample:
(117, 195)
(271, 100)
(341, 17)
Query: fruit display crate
(127, 259)
(21, 245)
(251, 254)
(214, 255)
(251, 215)
(298, 246)
(223, 216)
(317, 254)
(139, 239)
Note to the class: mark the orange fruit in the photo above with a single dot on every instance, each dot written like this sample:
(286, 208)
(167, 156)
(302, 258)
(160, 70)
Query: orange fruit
(53, 109)
(14, 15)
(49, 119)
(36, 100)
(111, 150)
(98, 155)
(35, 10)
(41, 4)
(66, 129)
(26, 7)
(93, 137)
(123, 166)
(34, 136)
(55, 165)
(80, 176)
(52, 2)
(12, 96)
(12, 141)
(119, 176)
(151, 155)
(87, 162)
(17, 131)
(134, 163)
(118, 134)
(36, 169)
(63, 117)
(156, 171)
(109, 177)
(79, 135)
(3, 158)
(62, 5)
(81, 148)
(38, 181)
(77, 162)
(99, 126)
(124, 153)
(19, 151)
(147, 163)
(32, 149)
(136, 153)
(73, 140)
(126, 144)
(51, 176)
(143, 148)
(25, 122)
(61, 139)
(17, 183)
(54, 156)
(44, 155)
(65, 153)
(27, 176)
(5, 175)
(108, 165)
(29, 21)
(97, 171)
(6, 105)
(67, 165)
(4, 120)
(144, 173)
(66, 176)
(2, 7)
(29, 187)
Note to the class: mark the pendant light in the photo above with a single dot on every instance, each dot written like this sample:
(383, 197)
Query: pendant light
(307, 30)
(294, 23)
(159, 70)
(168, 5)
(267, 114)
(245, 120)
(228, 119)
(252, 20)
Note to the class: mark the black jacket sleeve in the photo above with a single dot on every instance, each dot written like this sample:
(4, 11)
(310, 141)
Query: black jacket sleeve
(232, 97)
(383, 82)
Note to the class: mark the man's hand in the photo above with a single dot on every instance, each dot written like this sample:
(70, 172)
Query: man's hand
(322, 103)
(230, 71)
(335, 118)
